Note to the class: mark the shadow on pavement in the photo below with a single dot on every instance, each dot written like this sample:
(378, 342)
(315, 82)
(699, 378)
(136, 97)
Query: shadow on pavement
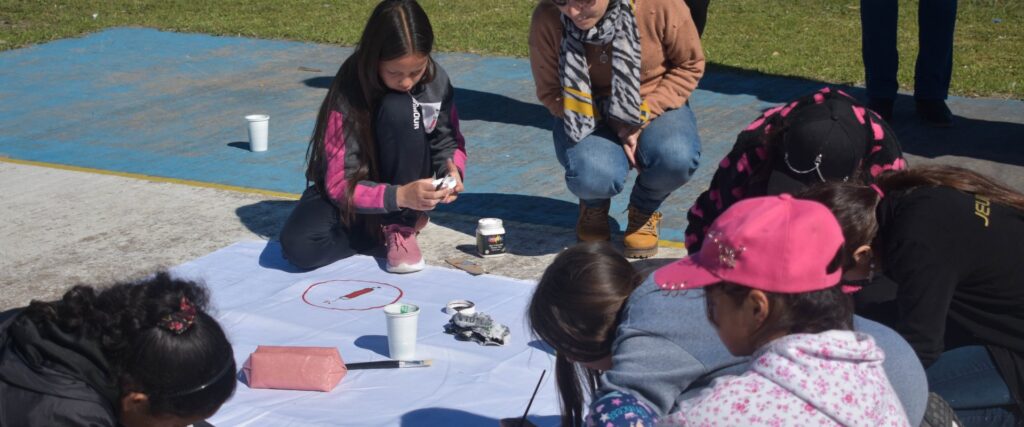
(492, 107)
(996, 141)
(515, 207)
(479, 105)
(1000, 142)
(265, 218)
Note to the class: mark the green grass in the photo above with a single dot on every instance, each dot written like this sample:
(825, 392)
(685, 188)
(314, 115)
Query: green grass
(814, 39)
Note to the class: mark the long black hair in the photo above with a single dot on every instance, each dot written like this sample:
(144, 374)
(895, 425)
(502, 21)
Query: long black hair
(395, 28)
(185, 371)
(576, 309)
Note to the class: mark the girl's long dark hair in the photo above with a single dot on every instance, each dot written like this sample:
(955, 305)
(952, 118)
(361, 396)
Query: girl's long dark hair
(576, 309)
(395, 28)
(854, 204)
(187, 374)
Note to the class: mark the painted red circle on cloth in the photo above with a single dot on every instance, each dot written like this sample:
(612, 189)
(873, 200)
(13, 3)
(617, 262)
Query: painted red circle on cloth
(351, 295)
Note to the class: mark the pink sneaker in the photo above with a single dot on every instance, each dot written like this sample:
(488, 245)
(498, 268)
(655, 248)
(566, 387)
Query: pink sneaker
(403, 253)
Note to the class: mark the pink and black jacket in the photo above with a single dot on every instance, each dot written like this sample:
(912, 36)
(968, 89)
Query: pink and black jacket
(738, 173)
(438, 118)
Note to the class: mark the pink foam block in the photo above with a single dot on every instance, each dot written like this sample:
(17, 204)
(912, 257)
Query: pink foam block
(294, 368)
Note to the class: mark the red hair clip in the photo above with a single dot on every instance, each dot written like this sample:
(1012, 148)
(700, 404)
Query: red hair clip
(179, 322)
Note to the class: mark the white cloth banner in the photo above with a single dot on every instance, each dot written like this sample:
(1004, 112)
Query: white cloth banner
(260, 299)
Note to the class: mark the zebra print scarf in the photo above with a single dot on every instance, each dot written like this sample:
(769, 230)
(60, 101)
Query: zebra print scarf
(618, 27)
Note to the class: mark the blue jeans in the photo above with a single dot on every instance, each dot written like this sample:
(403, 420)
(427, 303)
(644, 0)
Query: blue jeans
(967, 378)
(668, 152)
(936, 19)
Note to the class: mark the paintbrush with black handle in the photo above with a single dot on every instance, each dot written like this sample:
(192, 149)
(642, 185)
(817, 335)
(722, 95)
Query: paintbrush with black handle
(385, 364)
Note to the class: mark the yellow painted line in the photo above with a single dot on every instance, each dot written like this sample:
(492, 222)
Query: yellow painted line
(671, 244)
(277, 194)
(269, 193)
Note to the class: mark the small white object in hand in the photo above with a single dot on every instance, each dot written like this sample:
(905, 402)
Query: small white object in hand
(447, 182)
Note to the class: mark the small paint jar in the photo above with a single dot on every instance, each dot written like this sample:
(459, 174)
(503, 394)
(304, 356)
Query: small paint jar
(490, 237)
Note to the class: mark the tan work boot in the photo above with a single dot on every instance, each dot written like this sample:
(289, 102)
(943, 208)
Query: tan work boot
(641, 240)
(592, 224)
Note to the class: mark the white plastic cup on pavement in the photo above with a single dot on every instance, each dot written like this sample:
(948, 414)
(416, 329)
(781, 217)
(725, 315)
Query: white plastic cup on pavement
(402, 323)
(259, 125)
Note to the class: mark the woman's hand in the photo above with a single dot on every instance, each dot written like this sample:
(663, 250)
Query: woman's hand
(454, 173)
(420, 195)
(629, 136)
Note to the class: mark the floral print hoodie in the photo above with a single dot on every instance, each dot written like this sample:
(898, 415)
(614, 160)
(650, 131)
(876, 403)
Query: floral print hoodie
(834, 378)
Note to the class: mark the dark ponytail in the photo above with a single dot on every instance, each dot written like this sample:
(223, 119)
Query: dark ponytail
(854, 204)
(185, 371)
(395, 28)
(576, 309)
(958, 178)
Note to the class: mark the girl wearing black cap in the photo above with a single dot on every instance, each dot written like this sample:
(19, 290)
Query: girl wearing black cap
(824, 136)
(134, 355)
(952, 240)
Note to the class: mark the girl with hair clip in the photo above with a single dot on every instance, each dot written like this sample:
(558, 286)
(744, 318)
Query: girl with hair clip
(142, 354)
(951, 241)
(386, 128)
(575, 309)
(823, 136)
(770, 271)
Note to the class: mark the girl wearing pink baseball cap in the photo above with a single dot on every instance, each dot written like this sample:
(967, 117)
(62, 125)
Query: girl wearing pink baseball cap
(951, 241)
(770, 268)
(635, 353)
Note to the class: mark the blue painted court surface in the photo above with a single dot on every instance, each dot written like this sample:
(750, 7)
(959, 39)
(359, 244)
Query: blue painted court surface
(172, 105)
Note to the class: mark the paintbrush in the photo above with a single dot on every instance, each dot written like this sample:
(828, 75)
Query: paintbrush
(522, 421)
(384, 364)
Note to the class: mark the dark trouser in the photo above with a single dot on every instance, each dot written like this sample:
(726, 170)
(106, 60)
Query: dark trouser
(314, 235)
(934, 69)
(968, 379)
(699, 12)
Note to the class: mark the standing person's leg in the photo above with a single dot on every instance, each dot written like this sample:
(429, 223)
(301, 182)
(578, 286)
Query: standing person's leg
(667, 155)
(878, 23)
(937, 20)
(595, 170)
(699, 13)
(403, 156)
(314, 236)
(968, 379)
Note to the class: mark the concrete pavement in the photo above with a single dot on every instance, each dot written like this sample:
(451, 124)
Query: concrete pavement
(165, 111)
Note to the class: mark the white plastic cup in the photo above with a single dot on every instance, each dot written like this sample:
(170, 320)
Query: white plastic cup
(402, 321)
(259, 125)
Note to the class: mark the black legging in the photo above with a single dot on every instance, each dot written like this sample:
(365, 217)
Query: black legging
(314, 235)
(699, 12)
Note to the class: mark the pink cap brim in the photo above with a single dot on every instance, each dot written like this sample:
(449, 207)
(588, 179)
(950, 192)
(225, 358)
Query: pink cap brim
(684, 274)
